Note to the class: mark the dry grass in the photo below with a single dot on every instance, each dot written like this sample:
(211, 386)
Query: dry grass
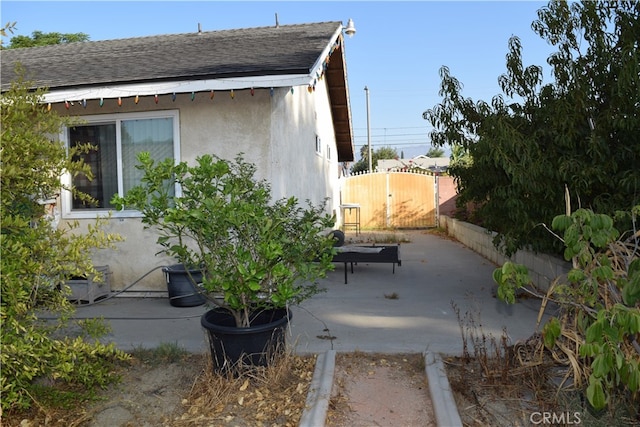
(501, 384)
(377, 237)
(259, 396)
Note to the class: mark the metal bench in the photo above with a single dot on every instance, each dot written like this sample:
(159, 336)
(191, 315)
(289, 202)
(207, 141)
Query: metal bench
(373, 254)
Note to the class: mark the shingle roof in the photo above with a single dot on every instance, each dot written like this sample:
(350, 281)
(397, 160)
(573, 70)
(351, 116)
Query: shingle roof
(212, 56)
(287, 49)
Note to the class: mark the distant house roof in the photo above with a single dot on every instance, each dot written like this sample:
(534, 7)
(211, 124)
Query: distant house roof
(434, 164)
(278, 56)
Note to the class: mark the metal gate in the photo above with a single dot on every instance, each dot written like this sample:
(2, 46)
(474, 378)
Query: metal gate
(391, 199)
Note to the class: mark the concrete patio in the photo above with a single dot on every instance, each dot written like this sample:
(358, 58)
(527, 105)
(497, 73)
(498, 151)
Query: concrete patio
(441, 290)
(416, 309)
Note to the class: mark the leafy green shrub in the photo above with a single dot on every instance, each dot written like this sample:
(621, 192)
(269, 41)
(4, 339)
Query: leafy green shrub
(255, 252)
(38, 258)
(599, 324)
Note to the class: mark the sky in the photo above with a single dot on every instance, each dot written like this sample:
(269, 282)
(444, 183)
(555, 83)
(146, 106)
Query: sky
(397, 51)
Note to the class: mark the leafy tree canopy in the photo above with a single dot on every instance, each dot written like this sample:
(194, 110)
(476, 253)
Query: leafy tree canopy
(580, 131)
(435, 152)
(38, 38)
(362, 165)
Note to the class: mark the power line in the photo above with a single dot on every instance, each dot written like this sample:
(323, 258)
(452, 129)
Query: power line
(396, 143)
(380, 139)
(387, 128)
(392, 135)
(409, 144)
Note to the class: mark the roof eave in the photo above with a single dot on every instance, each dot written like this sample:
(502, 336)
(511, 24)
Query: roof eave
(54, 95)
(336, 75)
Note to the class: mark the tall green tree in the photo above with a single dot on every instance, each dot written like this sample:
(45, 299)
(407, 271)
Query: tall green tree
(435, 152)
(362, 165)
(38, 38)
(38, 258)
(533, 139)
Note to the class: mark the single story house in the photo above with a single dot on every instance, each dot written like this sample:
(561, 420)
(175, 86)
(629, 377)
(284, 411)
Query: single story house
(277, 94)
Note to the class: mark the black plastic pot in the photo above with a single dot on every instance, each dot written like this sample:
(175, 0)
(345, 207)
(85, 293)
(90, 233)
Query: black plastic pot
(182, 290)
(258, 345)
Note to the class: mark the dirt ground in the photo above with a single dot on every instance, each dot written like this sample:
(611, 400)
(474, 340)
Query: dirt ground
(380, 390)
(489, 394)
(369, 390)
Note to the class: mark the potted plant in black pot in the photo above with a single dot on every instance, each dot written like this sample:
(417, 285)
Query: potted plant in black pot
(257, 255)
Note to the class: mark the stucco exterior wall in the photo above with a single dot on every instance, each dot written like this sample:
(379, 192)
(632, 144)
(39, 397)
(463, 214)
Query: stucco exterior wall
(297, 169)
(276, 131)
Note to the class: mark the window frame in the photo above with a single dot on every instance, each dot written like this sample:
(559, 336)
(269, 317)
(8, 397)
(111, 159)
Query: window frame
(318, 147)
(66, 197)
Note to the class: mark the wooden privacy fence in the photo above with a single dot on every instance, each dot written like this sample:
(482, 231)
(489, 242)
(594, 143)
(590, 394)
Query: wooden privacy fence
(391, 199)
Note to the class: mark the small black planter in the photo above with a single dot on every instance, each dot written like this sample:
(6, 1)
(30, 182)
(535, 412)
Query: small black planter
(182, 291)
(232, 347)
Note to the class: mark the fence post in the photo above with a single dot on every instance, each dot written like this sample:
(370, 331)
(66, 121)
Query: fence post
(436, 183)
(388, 216)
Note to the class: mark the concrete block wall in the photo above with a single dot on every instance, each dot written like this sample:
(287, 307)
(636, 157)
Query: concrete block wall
(543, 269)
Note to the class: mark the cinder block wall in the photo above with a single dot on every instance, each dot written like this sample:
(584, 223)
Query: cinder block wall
(543, 269)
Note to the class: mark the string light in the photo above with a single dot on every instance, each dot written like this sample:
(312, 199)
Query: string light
(311, 87)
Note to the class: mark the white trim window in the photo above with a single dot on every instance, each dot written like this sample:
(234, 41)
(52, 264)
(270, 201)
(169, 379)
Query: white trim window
(318, 145)
(118, 139)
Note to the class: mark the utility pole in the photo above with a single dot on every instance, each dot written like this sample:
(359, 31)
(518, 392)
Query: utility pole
(366, 89)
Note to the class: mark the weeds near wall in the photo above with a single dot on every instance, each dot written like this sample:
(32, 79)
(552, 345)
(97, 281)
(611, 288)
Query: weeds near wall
(493, 354)
(597, 331)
